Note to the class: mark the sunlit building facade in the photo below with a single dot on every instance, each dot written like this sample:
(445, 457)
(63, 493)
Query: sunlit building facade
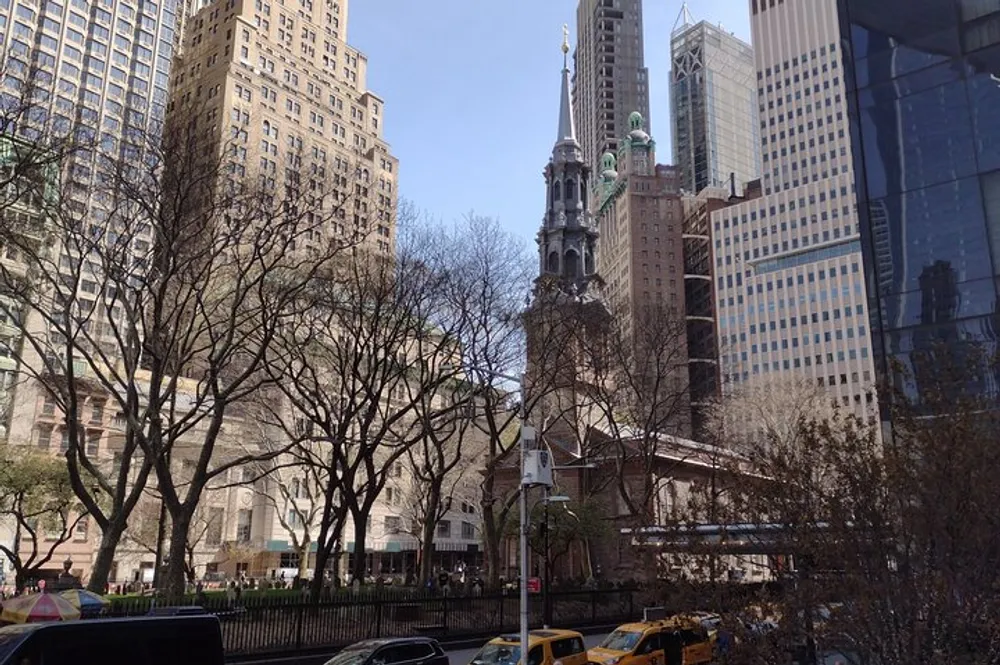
(788, 268)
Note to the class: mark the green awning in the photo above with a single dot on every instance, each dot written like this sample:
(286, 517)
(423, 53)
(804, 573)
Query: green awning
(285, 546)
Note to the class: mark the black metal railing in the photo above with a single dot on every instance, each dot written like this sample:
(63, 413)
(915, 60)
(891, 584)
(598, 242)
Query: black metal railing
(271, 625)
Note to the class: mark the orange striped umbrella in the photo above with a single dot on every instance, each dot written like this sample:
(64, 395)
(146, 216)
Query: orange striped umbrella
(38, 607)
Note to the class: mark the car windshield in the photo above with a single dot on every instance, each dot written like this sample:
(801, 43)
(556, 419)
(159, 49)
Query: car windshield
(350, 657)
(498, 654)
(621, 640)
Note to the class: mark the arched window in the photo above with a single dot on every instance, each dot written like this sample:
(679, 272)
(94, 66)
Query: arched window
(569, 190)
(583, 191)
(572, 264)
(296, 488)
(556, 191)
(552, 265)
(588, 262)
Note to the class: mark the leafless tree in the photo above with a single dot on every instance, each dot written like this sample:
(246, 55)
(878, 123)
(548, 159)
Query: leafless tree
(490, 283)
(634, 388)
(887, 544)
(293, 487)
(159, 300)
(767, 409)
(442, 469)
(364, 370)
(146, 530)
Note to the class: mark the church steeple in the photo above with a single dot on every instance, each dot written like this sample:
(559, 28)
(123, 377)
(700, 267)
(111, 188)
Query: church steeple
(567, 241)
(567, 130)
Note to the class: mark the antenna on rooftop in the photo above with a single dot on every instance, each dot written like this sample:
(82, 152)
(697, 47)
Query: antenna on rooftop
(684, 19)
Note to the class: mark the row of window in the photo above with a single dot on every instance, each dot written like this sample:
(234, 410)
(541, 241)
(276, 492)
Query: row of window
(780, 208)
(393, 524)
(814, 54)
(789, 245)
(818, 338)
(808, 361)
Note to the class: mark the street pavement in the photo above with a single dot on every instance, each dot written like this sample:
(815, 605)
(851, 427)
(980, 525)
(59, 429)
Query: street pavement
(464, 656)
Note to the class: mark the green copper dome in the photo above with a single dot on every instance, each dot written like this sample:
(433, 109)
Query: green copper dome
(608, 162)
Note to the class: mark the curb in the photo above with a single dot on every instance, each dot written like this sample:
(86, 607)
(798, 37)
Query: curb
(458, 644)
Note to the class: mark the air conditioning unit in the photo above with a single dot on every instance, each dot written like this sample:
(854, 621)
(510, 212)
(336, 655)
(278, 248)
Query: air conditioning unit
(537, 468)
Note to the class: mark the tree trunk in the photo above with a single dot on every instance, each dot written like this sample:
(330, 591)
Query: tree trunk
(327, 546)
(492, 546)
(319, 573)
(174, 584)
(304, 561)
(20, 579)
(360, 534)
(105, 558)
(427, 530)
(337, 553)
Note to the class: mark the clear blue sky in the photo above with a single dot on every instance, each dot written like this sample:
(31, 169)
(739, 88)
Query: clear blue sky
(472, 93)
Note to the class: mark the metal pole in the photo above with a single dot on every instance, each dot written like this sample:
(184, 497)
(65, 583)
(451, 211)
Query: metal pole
(524, 532)
(546, 608)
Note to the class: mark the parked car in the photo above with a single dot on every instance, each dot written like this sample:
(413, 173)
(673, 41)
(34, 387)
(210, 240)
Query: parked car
(182, 640)
(392, 651)
(546, 648)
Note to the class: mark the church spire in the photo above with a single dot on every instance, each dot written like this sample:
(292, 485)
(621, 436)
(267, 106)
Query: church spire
(567, 131)
(567, 241)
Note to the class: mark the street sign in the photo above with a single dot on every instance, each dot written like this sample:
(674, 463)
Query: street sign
(534, 585)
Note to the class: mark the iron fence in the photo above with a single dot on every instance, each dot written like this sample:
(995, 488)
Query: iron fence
(268, 625)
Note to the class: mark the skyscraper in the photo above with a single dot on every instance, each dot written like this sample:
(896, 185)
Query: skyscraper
(89, 75)
(293, 101)
(639, 208)
(642, 249)
(610, 77)
(713, 105)
(789, 277)
(923, 89)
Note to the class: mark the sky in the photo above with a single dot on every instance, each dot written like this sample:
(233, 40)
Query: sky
(471, 90)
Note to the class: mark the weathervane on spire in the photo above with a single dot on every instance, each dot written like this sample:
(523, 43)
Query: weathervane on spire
(565, 44)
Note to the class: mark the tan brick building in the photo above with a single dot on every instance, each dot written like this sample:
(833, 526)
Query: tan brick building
(278, 89)
(641, 258)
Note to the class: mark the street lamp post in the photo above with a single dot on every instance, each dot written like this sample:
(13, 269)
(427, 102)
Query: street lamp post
(526, 435)
(527, 438)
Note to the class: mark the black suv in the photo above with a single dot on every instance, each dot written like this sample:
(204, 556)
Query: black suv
(397, 651)
(179, 640)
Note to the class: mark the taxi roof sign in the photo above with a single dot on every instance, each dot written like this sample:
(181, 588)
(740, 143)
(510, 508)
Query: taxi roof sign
(654, 614)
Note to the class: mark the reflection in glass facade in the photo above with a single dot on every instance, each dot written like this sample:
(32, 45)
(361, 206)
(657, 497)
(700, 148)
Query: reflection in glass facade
(924, 95)
(713, 105)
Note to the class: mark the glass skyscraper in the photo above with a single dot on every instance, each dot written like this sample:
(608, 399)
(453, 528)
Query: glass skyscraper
(923, 81)
(713, 104)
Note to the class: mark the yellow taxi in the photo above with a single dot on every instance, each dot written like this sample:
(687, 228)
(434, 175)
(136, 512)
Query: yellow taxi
(658, 640)
(547, 647)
